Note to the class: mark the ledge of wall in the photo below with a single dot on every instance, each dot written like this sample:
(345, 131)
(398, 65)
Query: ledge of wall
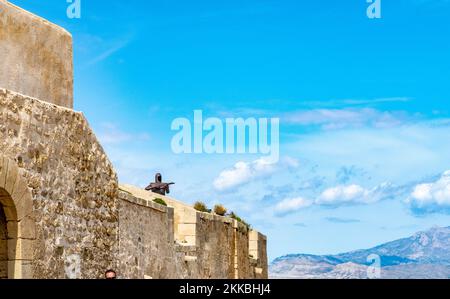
(124, 195)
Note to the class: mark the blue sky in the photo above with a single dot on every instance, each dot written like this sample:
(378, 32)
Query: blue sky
(363, 104)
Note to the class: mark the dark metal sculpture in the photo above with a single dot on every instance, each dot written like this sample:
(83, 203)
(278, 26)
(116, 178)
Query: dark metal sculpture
(158, 186)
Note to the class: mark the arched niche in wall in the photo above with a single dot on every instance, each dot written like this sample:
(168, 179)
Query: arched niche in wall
(17, 224)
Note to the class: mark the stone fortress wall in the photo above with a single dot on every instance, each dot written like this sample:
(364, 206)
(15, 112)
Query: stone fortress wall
(62, 211)
(36, 56)
(204, 245)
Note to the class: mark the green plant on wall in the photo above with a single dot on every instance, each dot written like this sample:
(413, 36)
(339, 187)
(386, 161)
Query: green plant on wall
(160, 201)
(239, 219)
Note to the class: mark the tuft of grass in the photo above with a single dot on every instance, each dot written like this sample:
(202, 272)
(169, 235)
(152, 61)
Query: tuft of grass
(220, 210)
(239, 219)
(201, 207)
(160, 201)
(235, 217)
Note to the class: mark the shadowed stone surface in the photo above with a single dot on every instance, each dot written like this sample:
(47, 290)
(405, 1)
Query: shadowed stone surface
(3, 246)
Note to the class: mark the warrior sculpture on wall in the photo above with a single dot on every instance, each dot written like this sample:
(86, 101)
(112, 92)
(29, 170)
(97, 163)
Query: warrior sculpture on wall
(158, 186)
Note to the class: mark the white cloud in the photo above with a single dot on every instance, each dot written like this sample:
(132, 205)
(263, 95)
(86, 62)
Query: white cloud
(353, 102)
(432, 196)
(244, 172)
(343, 194)
(330, 119)
(374, 101)
(288, 206)
(290, 162)
(355, 194)
(386, 154)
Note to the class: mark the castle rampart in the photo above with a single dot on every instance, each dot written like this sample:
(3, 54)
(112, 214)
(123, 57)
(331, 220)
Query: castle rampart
(62, 212)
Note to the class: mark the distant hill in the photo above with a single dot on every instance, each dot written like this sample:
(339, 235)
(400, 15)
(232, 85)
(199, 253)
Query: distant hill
(423, 255)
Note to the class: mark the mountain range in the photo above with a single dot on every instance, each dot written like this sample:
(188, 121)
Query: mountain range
(424, 255)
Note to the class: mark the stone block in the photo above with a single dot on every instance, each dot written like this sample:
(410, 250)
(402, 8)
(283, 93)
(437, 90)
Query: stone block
(186, 229)
(258, 271)
(11, 177)
(3, 171)
(20, 269)
(253, 245)
(13, 229)
(24, 207)
(186, 215)
(190, 259)
(10, 213)
(3, 270)
(27, 228)
(6, 200)
(20, 249)
(20, 188)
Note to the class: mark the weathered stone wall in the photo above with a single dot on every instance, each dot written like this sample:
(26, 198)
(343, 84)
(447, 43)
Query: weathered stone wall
(215, 243)
(146, 239)
(82, 225)
(205, 245)
(61, 212)
(185, 217)
(36, 56)
(242, 266)
(73, 185)
(3, 246)
(258, 253)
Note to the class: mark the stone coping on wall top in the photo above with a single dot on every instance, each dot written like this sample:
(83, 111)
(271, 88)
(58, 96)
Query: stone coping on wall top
(127, 196)
(4, 91)
(176, 204)
(212, 217)
(35, 17)
(148, 195)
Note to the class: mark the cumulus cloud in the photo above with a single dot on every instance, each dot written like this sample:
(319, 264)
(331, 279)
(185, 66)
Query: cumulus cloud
(244, 172)
(422, 198)
(342, 195)
(292, 205)
(355, 194)
(432, 197)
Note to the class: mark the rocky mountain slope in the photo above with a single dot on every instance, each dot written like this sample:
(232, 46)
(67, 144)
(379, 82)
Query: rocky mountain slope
(423, 255)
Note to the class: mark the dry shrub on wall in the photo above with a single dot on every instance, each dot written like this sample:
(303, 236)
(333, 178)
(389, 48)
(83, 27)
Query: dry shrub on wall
(201, 207)
(220, 210)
